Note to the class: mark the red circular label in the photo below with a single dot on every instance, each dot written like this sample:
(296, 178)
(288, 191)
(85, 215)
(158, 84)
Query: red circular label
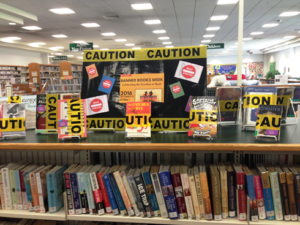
(188, 71)
(176, 89)
(106, 84)
(96, 105)
(92, 71)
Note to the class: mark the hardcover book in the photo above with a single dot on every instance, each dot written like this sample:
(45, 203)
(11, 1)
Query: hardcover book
(240, 184)
(100, 208)
(231, 182)
(89, 192)
(110, 193)
(187, 192)
(216, 192)
(34, 189)
(199, 192)
(71, 210)
(82, 189)
(205, 192)
(42, 188)
(107, 205)
(297, 187)
(30, 110)
(6, 185)
(194, 193)
(23, 173)
(203, 116)
(75, 190)
(259, 195)
(224, 189)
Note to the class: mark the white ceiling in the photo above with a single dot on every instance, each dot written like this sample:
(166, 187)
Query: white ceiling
(184, 20)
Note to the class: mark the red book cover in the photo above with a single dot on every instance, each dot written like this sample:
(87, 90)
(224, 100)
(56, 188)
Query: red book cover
(23, 190)
(179, 195)
(240, 181)
(108, 208)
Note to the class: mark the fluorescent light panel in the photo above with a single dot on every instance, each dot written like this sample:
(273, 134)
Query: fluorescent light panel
(289, 37)
(167, 43)
(70, 55)
(12, 23)
(90, 25)
(32, 28)
(95, 46)
(163, 38)
(58, 54)
(136, 48)
(142, 6)
(108, 34)
(270, 25)
(59, 36)
(208, 35)
(104, 49)
(169, 46)
(130, 44)
(227, 2)
(79, 42)
(120, 40)
(285, 14)
(159, 31)
(213, 28)
(206, 41)
(151, 22)
(256, 33)
(79, 57)
(62, 11)
(247, 39)
(223, 17)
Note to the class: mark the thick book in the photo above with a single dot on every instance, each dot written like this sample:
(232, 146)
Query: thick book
(205, 192)
(291, 192)
(82, 189)
(55, 188)
(23, 187)
(175, 173)
(253, 97)
(2, 191)
(89, 192)
(168, 191)
(34, 189)
(283, 193)
(75, 190)
(194, 193)
(264, 174)
(42, 188)
(251, 193)
(6, 185)
(231, 182)
(143, 193)
(123, 191)
(106, 202)
(297, 188)
(47, 114)
(150, 190)
(19, 202)
(216, 192)
(203, 120)
(135, 192)
(116, 190)
(224, 189)
(71, 210)
(199, 192)
(110, 193)
(259, 195)
(240, 184)
(154, 173)
(100, 208)
(187, 192)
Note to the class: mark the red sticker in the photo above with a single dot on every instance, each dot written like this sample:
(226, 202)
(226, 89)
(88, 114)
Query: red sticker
(92, 71)
(176, 89)
(96, 105)
(106, 84)
(188, 71)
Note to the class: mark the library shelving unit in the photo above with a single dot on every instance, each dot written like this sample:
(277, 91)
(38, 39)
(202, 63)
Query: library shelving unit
(13, 74)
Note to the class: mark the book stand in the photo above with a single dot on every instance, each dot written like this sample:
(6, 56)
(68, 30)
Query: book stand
(71, 137)
(137, 136)
(203, 135)
(14, 136)
(229, 123)
(266, 137)
(52, 130)
(287, 105)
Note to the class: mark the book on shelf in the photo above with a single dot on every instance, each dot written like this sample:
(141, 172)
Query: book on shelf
(106, 202)
(224, 189)
(28, 188)
(194, 193)
(110, 193)
(23, 173)
(284, 94)
(216, 192)
(241, 192)
(89, 191)
(34, 190)
(19, 202)
(2, 189)
(100, 208)
(296, 173)
(186, 192)
(75, 189)
(199, 192)
(231, 182)
(205, 192)
(83, 189)
(67, 182)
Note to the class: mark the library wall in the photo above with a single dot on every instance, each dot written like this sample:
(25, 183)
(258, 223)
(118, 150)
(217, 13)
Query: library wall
(232, 59)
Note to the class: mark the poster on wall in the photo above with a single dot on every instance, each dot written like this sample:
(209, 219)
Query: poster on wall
(144, 75)
(224, 69)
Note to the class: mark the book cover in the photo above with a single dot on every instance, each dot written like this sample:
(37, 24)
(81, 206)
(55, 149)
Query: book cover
(259, 195)
(199, 192)
(96, 190)
(28, 189)
(143, 193)
(176, 180)
(231, 190)
(2, 192)
(107, 205)
(253, 97)
(6, 186)
(30, 110)
(34, 190)
(23, 187)
(283, 95)
(264, 174)
(203, 118)
(216, 192)
(89, 193)
(297, 188)
(150, 190)
(168, 191)
(41, 181)
(110, 193)
(268, 121)
(224, 189)
(13, 188)
(82, 189)
(71, 210)
(205, 192)
(138, 119)
(187, 192)
(229, 102)
(240, 184)
(17, 171)
(75, 190)
(194, 193)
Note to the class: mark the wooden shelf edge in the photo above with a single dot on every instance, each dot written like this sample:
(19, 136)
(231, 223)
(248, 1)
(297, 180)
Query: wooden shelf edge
(152, 147)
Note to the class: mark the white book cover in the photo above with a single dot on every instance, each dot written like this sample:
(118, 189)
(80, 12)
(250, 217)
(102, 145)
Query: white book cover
(30, 110)
(6, 187)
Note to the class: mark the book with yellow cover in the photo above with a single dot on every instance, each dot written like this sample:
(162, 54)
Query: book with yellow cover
(194, 193)
(224, 189)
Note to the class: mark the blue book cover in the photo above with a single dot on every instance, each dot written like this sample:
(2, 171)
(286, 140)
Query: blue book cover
(89, 192)
(150, 190)
(116, 191)
(168, 191)
(251, 194)
(18, 189)
(268, 199)
(110, 194)
(75, 191)
(28, 191)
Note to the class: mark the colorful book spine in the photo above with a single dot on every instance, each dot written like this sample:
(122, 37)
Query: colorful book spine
(284, 196)
(259, 197)
(231, 194)
(169, 195)
(117, 194)
(200, 196)
(82, 193)
(42, 208)
(110, 195)
(18, 190)
(292, 196)
(268, 196)
(159, 195)
(187, 196)
(34, 190)
(179, 196)
(23, 191)
(71, 210)
(89, 193)
(6, 187)
(13, 188)
(297, 192)
(75, 192)
(52, 192)
(107, 205)
(97, 194)
(276, 195)
(240, 181)
(252, 196)
(28, 191)
(136, 195)
(206, 196)
(151, 193)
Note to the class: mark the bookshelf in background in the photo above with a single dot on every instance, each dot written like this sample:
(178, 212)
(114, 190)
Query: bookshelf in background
(12, 74)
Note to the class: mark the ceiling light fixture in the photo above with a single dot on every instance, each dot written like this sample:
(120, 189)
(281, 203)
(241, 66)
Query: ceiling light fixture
(169, 46)
(285, 14)
(136, 48)
(151, 22)
(62, 11)
(289, 37)
(213, 28)
(50, 56)
(36, 44)
(10, 39)
(208, 35)
(104, 49)
(256, 33)
(79, 42)
(12, 23)
(70, 55)
(247, 39)
(108, 34)
(32, 28)
(159, 31)
(270, 25)
(120, 40)
(130, 44)
(206, 41)
(59, 36)
(79, 57)
(167, 43)
(163, 38)
(214, 18)
(56, 48)
(58, 54)
(95, 46)
(90, 25)
(227, 2)
(142, 6)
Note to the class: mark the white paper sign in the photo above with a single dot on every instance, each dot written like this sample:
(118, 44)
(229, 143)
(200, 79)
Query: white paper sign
(34, 80)
(281, 79)
(34, 73)
(188, 71)
(65, 73)
(97, 105)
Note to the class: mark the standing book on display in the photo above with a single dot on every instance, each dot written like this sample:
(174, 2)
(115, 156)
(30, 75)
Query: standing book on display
(229, 102)
(253, 97)
(203, 116)
(284, 94)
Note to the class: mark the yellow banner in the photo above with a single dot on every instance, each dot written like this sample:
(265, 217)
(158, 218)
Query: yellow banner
(14, 99)
(51, 113)
(144, 54)
(229, 105)
(253, 101)
(140, 120)
(268, 122)
(283, 99)
(157, 124)
(75, 117)
(12, 124)
(203, 116)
